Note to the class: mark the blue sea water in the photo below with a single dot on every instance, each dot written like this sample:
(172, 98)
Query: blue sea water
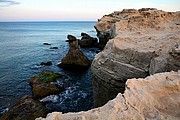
(22, 51)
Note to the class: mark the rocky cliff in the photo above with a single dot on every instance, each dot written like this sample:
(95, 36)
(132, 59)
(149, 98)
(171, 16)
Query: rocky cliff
(155, 97)
(145, 41)
(136, 44)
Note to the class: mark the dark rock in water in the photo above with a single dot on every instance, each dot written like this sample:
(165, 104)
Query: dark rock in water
(26, 108)
(87, 41)
(53, 47)
(46, 63)
(41, 84)
(74, 56)
(71, 38)
(84, 34)
(46, 44)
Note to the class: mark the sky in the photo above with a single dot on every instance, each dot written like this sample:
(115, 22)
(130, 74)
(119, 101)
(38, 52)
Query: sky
(74, 10)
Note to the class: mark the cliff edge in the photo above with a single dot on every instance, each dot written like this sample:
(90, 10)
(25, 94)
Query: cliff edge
(135, 44)
(155, 97)
(139, 43)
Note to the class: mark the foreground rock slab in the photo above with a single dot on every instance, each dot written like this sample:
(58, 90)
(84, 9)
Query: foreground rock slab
(156, 97)
(42, 86)
(25, 109)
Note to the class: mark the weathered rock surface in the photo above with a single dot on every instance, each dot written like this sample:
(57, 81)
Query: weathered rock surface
(156, 97)
(87, 41)
(74, 57)
(42, 86)
(25, 109)
(145, 41)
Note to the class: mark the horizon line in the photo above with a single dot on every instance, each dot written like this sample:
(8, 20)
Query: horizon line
(49, 21)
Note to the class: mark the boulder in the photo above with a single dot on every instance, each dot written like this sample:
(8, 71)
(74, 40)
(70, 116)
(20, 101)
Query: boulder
(27, 108)
(42, 85)
(87, 41)
(140, 43)
(74, 57)
(46, 63)
(156, 97)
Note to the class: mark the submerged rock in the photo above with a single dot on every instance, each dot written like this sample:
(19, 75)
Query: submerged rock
(74, 57)
(46, 63)
(27, 108)
(46, 44)
(53, 47)
(42, 86)
(156, 97)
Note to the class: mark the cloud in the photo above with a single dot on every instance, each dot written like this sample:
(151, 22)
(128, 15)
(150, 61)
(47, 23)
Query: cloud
(6, 3)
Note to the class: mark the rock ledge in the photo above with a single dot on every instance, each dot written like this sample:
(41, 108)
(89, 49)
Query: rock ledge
(155, 97)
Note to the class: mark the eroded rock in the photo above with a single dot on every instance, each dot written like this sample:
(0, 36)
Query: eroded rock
(87, 41)
(146, 42)
(42, 85)
(152, 98)
(74, 57)
(26, 108)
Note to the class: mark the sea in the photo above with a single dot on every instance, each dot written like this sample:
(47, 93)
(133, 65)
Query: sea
(22, 51)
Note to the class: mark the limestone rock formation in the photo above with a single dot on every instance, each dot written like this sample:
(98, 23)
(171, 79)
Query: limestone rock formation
(42, 86)
(144, 42)
(26, 108)
(74, 56)
(156, 97)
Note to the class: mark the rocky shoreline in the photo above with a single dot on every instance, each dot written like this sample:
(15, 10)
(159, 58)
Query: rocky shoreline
(155, 97)
(139, 49)
(50, 83)
(140, 43)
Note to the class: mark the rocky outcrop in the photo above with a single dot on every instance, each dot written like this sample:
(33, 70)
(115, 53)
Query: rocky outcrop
(87, 41)
(145, 41)
(74, 57)
(26, 108)
(156, 97)
(42, 85)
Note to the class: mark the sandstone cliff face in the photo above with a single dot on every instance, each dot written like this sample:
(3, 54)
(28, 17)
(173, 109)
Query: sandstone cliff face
(155, 97)
(145, 41)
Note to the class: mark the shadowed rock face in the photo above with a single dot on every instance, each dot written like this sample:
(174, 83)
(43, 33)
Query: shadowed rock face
(25, 109)
(154, 98)
(74, 57)
(144, 42)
